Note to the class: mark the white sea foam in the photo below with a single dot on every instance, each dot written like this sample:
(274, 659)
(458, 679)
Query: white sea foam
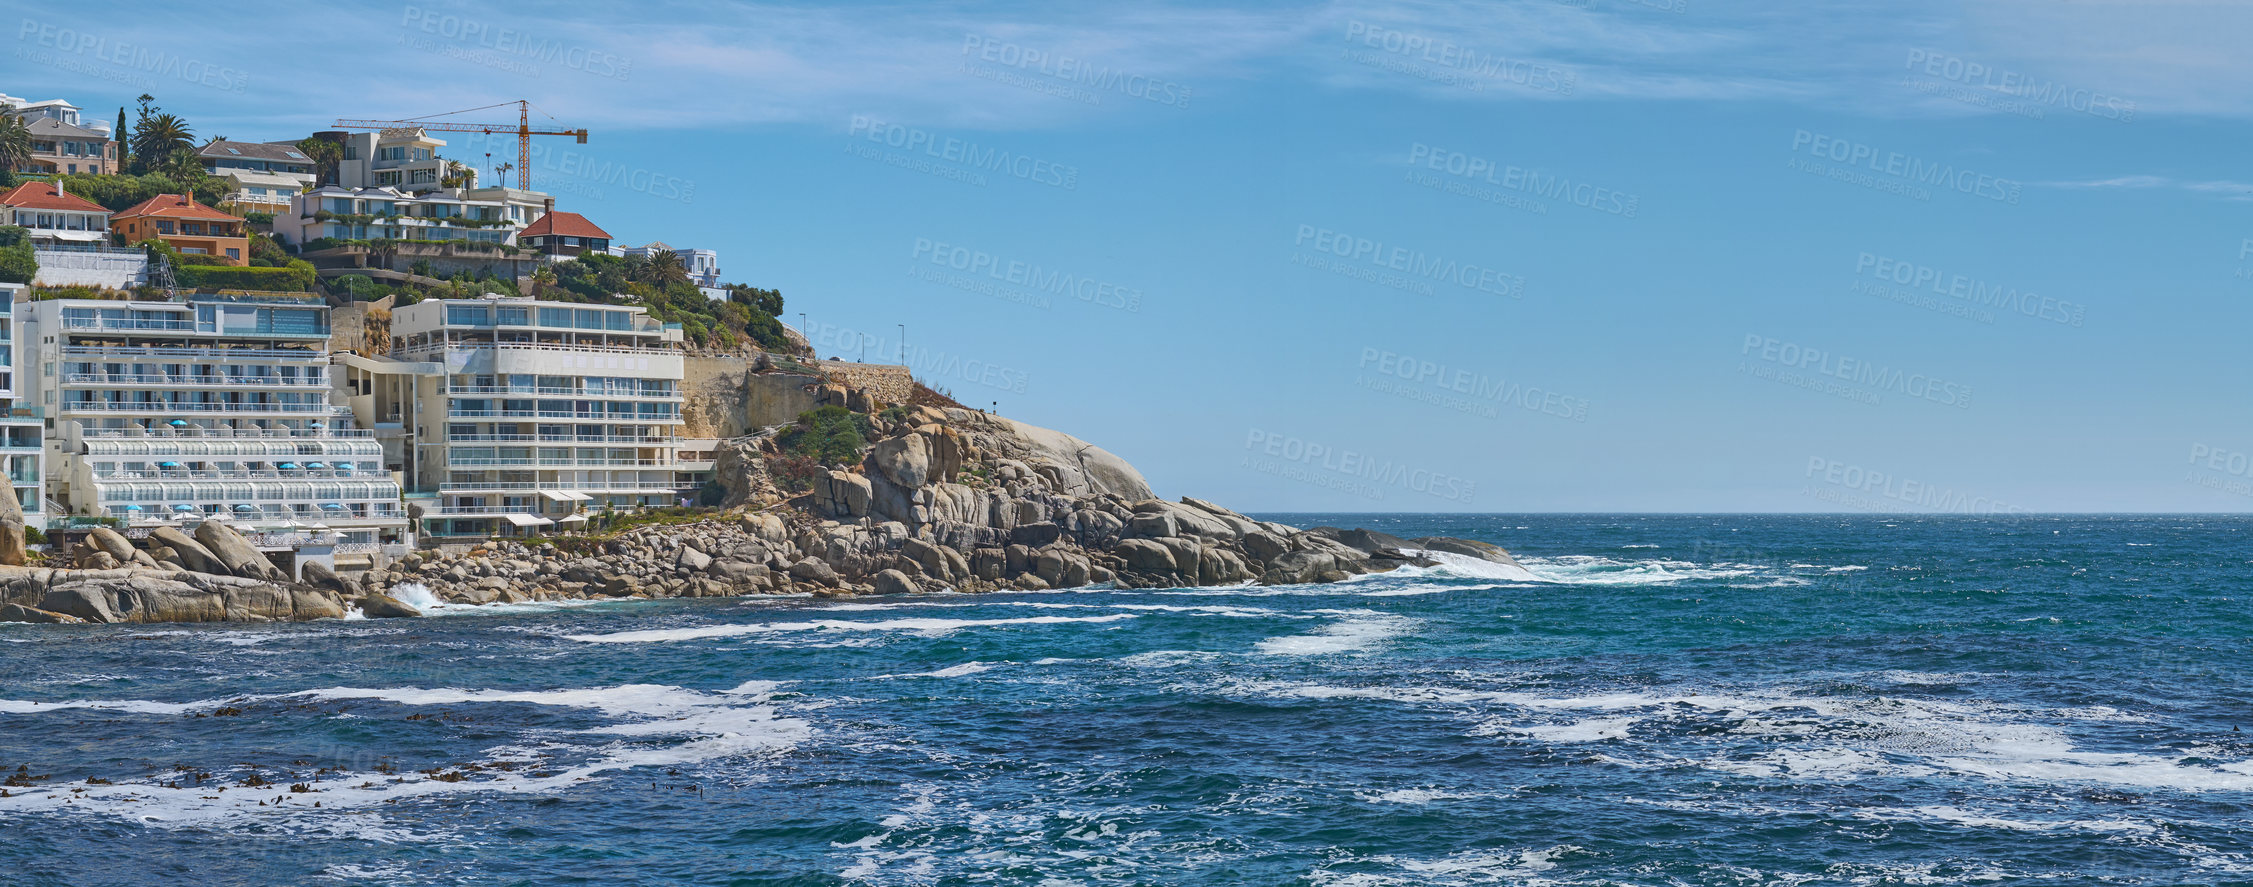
(1452, 565)
(1416, 796)
(954, 671)
(1835, 738)
(1973, 819)
(920, 626)
(1364, 630)
(735, 722)
(130, 706)
(1583, 570)
(1467, 867)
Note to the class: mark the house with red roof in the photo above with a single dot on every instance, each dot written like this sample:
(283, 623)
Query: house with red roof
(188, 226)
(563, 234)
(56, 217)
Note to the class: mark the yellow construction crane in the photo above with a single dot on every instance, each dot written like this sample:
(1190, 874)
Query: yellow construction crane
(522, 130)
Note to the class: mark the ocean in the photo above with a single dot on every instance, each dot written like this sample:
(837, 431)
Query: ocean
(1652, 700)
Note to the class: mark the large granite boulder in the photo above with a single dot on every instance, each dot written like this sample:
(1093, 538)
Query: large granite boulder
(12, 532)
(1485, 551)
(377, 605)
(242, 559)
(188, 551)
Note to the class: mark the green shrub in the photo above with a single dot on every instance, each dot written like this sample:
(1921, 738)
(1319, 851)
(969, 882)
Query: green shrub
(297, 277)
(360, 287)
(17, 263)
(831, 435)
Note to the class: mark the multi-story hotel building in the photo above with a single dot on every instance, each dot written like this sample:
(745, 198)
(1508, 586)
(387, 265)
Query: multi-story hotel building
(516, 415)
(212, 407)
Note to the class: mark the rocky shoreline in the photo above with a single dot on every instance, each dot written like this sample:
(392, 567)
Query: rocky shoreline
(942, 500)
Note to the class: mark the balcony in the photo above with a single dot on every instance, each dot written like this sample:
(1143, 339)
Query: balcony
(199, 433)
(122, 324)
(562, 439)
(190, 354)
(497, 390)
(441, 347)
(165, 379)
(567, 415)
(273, 474)
(89, 406)
(535, 486)
(561, 463)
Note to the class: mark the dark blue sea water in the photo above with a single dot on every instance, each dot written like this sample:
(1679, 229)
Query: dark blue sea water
(1659, 700)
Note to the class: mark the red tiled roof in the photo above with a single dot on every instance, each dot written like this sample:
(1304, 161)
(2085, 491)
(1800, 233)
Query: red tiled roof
(42, 195)
(173, 206)
(564, 224)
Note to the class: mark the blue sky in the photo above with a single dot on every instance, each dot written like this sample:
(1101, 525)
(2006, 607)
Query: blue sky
(1676, 255)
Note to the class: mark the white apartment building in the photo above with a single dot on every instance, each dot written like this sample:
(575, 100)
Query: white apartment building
(703, 265)
(215, 407)
(488, 215)
(22, 449)
(260, 176)
(403, 158)
(519, 415)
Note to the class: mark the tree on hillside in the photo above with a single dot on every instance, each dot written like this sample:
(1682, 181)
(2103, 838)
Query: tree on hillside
(660, 270)
(157, 137)
(185, 167)
(15, 142)
(326, 155)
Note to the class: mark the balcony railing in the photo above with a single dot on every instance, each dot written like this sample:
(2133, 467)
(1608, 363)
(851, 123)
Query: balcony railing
(184, 354)
(197, 433)
(562, 439)
(564, 463)
(560, 392)
(93, 406)
(439, 347)
(121, 323)
(169, 379)
(182, 474)
(614, 418)
(482, 486)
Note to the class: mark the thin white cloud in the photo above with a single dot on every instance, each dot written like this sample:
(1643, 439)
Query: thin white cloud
(700, 65)
(2215, 187)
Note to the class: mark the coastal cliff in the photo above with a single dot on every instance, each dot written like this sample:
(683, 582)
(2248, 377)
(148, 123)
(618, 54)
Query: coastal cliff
(856, 497)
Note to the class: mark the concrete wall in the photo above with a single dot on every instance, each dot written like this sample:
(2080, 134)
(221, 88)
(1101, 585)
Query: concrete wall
(890, 383)
(348, 327)
(118, 270)
(723, 398)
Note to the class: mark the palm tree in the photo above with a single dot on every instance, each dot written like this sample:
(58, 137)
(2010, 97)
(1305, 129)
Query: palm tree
(156, 138)
(661, 270)
(458, 176)
(15, 142)
(185, 167)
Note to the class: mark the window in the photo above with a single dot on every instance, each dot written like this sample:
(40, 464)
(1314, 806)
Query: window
(234, 253)
(466, 315)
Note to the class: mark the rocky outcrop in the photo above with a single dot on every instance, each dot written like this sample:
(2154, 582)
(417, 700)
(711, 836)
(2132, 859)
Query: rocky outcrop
(240, 557)
(12, 532)
(377, 605)
(145, 595)
(1485, 551)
